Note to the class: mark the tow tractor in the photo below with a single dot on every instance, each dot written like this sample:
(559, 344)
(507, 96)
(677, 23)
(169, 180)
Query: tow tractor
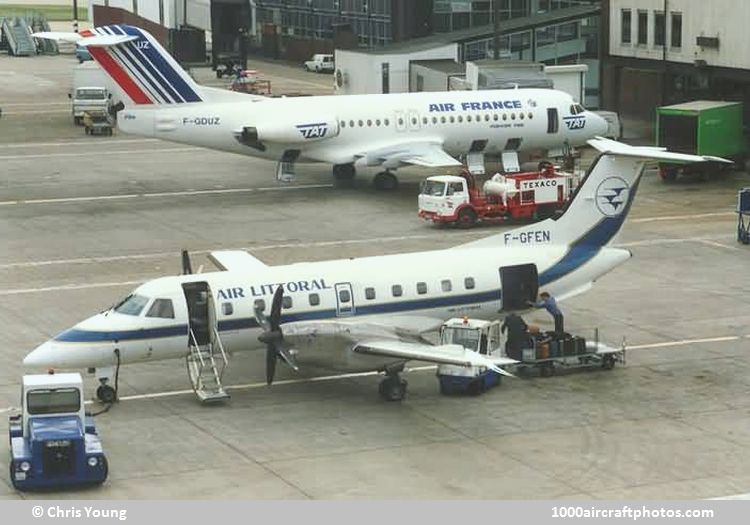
(475, 335)
(449, 199)
(548, 351)
(53, 442)
(247, 81)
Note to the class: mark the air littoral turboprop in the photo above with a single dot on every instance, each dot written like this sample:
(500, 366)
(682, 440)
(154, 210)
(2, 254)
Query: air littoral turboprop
(386, 131)
(361, 314)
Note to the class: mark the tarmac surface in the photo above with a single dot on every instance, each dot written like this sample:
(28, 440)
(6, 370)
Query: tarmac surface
(84, 219)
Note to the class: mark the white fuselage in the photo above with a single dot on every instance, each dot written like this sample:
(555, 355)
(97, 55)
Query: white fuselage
(474, 289)
(343, 129)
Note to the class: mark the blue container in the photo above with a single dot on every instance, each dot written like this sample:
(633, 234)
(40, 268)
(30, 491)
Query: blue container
(743, 200)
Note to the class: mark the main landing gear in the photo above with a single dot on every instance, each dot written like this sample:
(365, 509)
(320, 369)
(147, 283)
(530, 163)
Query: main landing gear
(385, 181)
(344, 174)
(393, 388)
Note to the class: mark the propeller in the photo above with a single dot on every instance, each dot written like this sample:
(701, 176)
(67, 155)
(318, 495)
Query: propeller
(276, 347)
(187, 267)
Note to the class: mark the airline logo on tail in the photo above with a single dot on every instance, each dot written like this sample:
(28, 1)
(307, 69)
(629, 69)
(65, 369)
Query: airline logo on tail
(142, 68)
(612, 195)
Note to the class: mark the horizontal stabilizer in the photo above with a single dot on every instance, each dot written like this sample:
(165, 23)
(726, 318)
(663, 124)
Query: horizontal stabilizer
(235, 260)
(644, 152)
(58, 36)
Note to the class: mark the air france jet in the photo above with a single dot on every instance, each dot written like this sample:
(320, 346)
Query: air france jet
(361, 314)
(386, 131)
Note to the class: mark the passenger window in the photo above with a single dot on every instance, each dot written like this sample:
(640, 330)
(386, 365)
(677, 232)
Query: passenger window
(369, 294)
(369, 123)
(505, 116)
(260, 304)
(446, 285)
(468, 118)
(227, 308)
(314, 299)
(512, 116)
(469, 283)
(351, 123)
(387, 122)
(434, 120)
(452, 119)
(286, 302)
(494, 116)
(521, 115)
(377, 122)
(414, 121)
(460, 118)
(421, 288)
(361, 123)
(400, 122)
(442, 120)
(531, 115)
(343, 123)
(487, 117)
(161, 308)
(425, 120)
(344, 296)
(397, 290)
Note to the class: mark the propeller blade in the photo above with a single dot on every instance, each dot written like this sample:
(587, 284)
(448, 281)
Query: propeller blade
(275, 317)
(285, 352)
(270, 363)
(187, 267)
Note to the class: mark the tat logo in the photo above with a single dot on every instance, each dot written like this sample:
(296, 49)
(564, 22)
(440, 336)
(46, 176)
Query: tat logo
(313, 131)
(612, 196)
(575, 122)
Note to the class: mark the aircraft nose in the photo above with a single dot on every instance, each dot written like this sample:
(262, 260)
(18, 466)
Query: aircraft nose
(599, 124)
(42, 355)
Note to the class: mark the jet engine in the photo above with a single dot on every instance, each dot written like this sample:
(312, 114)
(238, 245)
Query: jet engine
(310, 130)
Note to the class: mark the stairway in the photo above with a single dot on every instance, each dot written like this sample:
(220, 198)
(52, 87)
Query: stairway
(206, 364)
(18, 35)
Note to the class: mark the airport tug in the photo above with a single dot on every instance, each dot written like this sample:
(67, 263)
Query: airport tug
(53, 442)
(475, 335)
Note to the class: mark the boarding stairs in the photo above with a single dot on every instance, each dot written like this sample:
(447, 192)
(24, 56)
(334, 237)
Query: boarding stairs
(38, 23)
(206, 364)
(17, 33)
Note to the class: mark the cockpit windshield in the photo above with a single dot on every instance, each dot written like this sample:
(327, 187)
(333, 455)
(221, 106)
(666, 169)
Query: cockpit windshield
(433, 187)
(132, 305)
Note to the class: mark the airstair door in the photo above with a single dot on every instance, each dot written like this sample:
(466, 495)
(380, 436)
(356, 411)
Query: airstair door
(519, 285)
(201, 312)
(344, 299)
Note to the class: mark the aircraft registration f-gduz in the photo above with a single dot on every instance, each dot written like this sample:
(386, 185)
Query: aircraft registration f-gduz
(361, 314)
(388, 131)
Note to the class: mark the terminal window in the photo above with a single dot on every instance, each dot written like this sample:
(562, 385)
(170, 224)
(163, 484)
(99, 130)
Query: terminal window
(626, 26)
(676, 39)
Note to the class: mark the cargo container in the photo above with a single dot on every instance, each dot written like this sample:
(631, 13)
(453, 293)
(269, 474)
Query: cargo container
(701, 127)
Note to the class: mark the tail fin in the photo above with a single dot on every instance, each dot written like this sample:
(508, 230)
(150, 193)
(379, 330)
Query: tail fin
(137, 63)
(596, 212)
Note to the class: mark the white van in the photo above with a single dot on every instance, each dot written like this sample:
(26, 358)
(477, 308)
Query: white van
(320, 64)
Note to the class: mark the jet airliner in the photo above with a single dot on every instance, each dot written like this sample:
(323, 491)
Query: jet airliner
(387, 131)
(362, 314)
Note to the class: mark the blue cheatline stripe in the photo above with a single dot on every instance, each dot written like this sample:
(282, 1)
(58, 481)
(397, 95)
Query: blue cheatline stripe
(129, 62)
(158, 79)
(75, 335)
(588, 245)
(172, 76)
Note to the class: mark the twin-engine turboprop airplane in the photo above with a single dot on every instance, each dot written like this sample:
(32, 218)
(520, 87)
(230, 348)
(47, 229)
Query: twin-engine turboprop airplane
(360, 314)
(388, 131)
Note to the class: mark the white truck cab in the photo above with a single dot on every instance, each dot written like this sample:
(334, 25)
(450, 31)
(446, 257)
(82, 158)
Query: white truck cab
(320, 63)
(89, 99)
(443, 194)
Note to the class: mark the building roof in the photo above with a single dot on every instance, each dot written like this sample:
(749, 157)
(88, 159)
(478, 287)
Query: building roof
(444, 65)
(513, 25)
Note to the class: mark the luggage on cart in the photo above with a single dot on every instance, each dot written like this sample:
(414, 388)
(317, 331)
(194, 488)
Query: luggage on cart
(580, 345)
(569, 346)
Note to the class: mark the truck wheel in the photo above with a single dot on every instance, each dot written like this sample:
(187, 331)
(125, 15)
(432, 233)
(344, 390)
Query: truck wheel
(105, 465)
(467, 218)
(608, 362)
(12, 477)
(668, 174)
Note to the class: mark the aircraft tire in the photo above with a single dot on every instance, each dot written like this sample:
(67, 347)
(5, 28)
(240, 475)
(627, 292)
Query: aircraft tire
(385, 181)
(608, 362)
(105, 394)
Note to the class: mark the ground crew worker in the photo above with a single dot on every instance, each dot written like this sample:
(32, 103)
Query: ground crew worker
(517, 338)
(548, 302)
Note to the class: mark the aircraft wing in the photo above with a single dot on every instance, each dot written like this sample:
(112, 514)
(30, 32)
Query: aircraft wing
(442, 354)
(234, 260)
(427, 154)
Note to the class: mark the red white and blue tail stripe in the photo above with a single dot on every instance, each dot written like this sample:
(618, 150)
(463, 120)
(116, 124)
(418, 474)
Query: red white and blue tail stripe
(140, 66)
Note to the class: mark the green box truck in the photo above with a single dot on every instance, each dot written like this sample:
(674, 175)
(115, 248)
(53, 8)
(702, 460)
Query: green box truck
(700, 127)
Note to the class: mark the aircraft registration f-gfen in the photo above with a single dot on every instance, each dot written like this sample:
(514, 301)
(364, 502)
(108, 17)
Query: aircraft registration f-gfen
(362, 314)
(388, 131)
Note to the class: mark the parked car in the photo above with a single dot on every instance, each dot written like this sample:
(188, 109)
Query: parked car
(82, 54)
(320, 64)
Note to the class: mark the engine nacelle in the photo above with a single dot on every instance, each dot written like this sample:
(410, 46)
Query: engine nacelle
(293, 132)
